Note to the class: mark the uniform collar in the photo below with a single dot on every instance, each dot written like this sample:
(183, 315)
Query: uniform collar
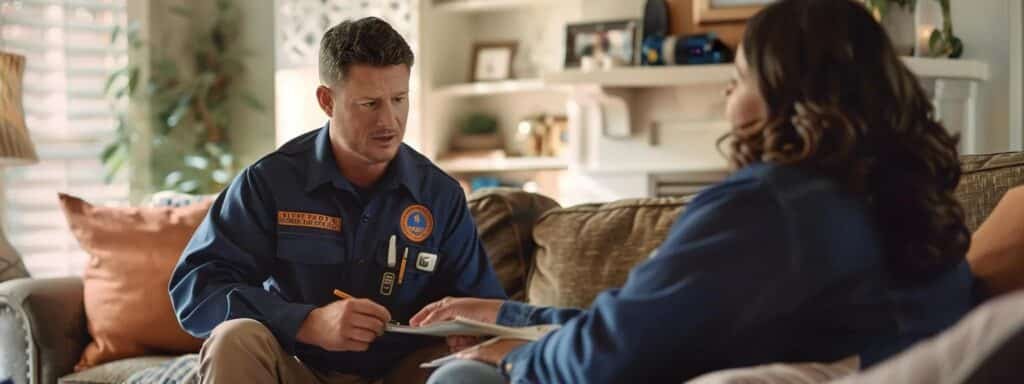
(402, 171)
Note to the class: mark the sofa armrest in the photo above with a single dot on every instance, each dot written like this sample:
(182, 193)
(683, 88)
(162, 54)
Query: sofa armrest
(42, 328)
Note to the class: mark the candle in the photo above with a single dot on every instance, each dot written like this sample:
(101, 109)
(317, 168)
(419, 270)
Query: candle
(924, 35)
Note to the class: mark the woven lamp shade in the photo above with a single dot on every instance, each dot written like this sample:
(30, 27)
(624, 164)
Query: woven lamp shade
(15, 145)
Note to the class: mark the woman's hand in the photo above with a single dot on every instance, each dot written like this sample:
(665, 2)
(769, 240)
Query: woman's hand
(491, 353)
(485, 310)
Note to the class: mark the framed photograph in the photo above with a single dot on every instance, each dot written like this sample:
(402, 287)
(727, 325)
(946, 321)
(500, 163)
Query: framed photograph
(616, 40)
(719, 11)
(492, 61)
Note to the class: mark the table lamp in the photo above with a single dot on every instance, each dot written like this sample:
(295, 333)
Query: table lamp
(15, 147)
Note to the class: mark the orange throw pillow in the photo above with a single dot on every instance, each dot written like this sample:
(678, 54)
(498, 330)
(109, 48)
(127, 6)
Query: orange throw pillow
(997, 247)
(132, 252)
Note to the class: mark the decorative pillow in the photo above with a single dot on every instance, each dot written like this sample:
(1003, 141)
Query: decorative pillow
(132, 254)
(586, 249)
(504, 219)
(176, 199)
(997, 248)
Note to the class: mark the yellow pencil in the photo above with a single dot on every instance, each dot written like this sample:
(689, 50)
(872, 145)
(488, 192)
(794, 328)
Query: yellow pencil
(341, 294)
(401, 272)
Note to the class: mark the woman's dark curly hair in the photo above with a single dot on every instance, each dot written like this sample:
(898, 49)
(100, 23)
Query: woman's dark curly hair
(841, 103)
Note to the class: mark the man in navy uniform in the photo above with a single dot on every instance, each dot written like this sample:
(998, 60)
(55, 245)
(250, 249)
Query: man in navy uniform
(346, 207)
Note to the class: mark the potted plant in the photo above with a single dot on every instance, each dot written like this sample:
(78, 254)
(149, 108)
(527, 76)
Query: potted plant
(913, 26)
(478, 132)
(189, 107)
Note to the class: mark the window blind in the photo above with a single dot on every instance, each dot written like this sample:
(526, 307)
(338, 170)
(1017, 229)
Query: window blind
(69, 55)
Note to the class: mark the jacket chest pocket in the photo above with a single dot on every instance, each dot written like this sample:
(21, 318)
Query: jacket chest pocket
(309, 264)
(405, 284)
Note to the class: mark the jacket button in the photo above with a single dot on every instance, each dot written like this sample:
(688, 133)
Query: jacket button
(366, 219)
(508, 367)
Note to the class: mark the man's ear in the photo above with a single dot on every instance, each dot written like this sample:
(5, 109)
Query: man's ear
(326, 100)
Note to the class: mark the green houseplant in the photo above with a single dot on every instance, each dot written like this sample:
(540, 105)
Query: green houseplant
(941, 42)
(189, 106)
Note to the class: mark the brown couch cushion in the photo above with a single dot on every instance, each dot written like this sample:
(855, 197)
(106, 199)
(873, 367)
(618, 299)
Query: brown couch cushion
(985, 179)
(132, 253)
(588, 248)
(997, 248)
(505, 219)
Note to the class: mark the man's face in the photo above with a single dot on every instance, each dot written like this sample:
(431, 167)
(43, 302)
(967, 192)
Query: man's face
(368, 111)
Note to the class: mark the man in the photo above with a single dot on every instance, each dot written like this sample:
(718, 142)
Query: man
(345, 207)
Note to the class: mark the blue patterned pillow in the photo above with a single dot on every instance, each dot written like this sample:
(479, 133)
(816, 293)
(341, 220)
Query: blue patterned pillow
(176, 199)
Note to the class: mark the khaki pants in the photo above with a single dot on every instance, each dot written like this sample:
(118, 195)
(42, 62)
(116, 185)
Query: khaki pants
(244, 351)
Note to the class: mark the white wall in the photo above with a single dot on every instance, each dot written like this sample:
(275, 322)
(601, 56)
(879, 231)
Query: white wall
(985, 28)
(252, 134)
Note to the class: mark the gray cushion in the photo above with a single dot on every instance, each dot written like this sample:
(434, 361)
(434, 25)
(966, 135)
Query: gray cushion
(114, 372)
(181, 370)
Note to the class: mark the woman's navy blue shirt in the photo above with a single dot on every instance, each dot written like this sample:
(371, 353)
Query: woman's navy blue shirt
(775, 264)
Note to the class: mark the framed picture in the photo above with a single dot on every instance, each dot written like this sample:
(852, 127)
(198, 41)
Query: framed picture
(718, 11)
(492, 61)
(614, 39)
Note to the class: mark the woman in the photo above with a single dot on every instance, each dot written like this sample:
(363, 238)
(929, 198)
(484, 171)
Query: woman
(838, 234)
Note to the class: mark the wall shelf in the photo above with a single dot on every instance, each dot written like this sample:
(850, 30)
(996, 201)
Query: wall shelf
(498, 87)
(668, 76)
(469, 6)
(507, 164)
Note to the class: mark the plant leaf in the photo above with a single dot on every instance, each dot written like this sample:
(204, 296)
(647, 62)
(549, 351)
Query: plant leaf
(114, 76)
(227, 160)
(221, 176)
(253, 102)
(173, 179)
(115, 33)
(180, 109)
(197, 162)
(113, 163)
(188, 186)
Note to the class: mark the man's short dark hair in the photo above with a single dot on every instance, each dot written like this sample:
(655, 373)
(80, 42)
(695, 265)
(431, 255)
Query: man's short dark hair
(368, 41)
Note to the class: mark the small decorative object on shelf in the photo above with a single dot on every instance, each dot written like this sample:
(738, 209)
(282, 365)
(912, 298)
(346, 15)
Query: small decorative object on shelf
(478, 133)
(542, 135)
(493, 61)
(933, 41)
(601, 45)
(703, 48)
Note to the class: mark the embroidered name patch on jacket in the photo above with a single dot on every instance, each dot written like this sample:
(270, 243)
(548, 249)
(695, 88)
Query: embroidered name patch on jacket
(309, 220)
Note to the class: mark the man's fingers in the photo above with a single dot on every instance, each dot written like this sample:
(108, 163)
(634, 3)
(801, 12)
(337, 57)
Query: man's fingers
(367, 322)
(370, 308)
(360, 335)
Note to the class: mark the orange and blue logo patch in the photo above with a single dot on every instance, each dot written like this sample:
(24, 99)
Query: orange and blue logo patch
(417, 223)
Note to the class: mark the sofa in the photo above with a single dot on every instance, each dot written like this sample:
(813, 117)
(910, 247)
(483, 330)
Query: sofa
(543, 254)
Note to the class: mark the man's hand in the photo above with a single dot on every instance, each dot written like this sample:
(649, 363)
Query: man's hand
(344, 325)
(485, 310)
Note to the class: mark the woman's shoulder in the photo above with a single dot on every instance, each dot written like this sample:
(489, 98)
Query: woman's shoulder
(763, 180)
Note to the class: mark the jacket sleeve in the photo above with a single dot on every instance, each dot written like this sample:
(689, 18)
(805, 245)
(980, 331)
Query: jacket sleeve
(518, 314)
(726, 265)
(468, 271)
(221, 272)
